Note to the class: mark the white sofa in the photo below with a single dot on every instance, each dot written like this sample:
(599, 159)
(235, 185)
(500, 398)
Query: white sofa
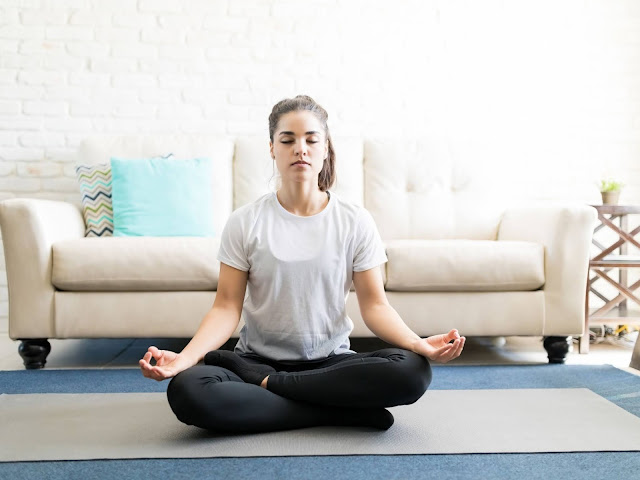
(456, 258)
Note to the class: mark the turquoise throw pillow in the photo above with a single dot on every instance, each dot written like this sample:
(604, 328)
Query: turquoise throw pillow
(161, 197)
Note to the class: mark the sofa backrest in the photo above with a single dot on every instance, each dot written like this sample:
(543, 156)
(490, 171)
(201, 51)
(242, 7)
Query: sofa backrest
(417, 190)
(413, 189)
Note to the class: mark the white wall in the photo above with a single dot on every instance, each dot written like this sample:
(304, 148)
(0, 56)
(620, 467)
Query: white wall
(545, 92)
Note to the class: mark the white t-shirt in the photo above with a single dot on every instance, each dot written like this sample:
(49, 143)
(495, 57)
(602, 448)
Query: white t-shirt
(300, 272)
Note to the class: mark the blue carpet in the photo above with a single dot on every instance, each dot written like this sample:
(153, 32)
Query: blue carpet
(617, 386)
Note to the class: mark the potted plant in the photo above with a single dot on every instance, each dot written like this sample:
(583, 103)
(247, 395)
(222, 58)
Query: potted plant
(610, 191)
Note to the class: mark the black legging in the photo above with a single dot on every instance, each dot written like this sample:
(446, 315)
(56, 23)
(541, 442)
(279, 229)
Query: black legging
(301, 394)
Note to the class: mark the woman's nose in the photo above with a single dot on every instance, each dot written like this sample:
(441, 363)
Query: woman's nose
(301, 148)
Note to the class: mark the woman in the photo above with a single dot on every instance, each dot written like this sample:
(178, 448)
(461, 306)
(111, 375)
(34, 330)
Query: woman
(296, 253)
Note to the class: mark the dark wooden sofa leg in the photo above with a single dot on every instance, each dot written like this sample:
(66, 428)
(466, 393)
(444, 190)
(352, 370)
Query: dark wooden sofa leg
(34, 352)
(557, 348)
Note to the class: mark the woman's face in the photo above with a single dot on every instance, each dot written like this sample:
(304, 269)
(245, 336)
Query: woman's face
(299, 147)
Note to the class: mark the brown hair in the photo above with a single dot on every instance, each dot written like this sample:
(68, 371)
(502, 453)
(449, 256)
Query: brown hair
(327, 175)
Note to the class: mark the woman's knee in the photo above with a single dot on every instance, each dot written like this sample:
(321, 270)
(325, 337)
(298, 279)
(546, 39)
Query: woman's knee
(187, 391)
(412, 371)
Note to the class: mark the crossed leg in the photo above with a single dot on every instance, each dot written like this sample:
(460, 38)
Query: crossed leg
(384, 378)
(350, 391)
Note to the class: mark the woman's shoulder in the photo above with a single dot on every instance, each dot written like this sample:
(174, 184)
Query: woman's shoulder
(251, 209)
(349, 209)
(245, 216)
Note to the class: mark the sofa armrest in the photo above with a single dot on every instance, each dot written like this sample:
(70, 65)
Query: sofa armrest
(566, 232)
(29, 229)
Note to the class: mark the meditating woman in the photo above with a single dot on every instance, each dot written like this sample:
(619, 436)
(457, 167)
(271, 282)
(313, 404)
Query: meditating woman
(296, 252)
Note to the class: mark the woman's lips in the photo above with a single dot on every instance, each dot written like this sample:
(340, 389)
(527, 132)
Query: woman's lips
(301, 164)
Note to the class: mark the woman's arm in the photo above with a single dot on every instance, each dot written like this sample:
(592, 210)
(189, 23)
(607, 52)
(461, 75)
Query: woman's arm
(220, 322)
(215, 329)
(383, 320)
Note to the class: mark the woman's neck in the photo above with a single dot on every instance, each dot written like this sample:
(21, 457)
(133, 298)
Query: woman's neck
(303, 205)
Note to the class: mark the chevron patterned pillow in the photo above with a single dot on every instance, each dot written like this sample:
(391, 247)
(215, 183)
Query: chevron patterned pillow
(97, 208)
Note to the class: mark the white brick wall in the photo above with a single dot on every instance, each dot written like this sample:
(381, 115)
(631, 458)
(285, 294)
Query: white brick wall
(546, 92)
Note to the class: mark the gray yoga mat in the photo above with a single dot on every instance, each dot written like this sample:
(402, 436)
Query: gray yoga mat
(141, 425)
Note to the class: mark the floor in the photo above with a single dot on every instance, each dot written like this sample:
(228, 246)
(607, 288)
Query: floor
(125, 353)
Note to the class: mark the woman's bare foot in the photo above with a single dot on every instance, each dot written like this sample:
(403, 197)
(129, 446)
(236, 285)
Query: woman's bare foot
(264, 382)
(249, 372)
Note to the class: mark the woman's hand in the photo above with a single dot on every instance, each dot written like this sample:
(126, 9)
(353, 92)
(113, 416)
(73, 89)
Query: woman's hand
(437, 347)
(168, 364)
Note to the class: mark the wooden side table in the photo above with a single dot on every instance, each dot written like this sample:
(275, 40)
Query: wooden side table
(604, 262)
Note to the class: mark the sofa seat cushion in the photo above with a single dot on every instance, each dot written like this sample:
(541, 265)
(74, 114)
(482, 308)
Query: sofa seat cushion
(464, 265)
(136, 264)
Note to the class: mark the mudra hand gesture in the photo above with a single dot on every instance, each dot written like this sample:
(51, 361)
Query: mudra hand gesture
(168, 364)
(437, 347)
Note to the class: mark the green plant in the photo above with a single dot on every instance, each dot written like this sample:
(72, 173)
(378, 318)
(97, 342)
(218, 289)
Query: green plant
(610, 185)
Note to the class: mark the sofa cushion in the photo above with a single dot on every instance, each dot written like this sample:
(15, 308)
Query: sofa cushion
(420, 189)
(139, 264)
(464, 265)
(162, 197)
(97, 208)
(100, 149)
(136, 264)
